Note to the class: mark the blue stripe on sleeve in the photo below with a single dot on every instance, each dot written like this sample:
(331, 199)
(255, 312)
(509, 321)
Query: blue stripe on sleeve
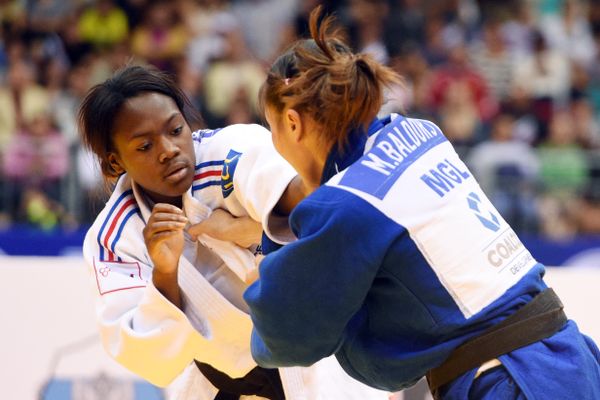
(209, 164)
(112, 210)
(118, 235)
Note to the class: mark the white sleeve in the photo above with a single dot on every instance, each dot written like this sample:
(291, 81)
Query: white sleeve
(260, 179)
(146, 333)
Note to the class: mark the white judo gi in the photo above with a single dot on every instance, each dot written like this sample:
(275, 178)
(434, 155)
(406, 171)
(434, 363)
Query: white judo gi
(237, 169)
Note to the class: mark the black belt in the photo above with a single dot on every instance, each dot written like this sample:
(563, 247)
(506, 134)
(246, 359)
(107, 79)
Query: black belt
(542, 317)
(259, 381)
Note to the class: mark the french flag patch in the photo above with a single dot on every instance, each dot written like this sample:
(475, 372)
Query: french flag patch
(113, 276)
(207, 174)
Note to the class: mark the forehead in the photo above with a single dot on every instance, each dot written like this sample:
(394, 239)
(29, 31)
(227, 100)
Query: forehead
(144, 112)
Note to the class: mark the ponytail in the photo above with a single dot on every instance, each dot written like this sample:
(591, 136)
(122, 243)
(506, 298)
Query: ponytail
(340, 90)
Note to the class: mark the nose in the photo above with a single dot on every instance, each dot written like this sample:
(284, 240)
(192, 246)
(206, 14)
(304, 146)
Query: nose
(168, 149)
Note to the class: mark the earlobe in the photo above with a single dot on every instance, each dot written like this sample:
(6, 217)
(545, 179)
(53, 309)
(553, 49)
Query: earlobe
(113, 161)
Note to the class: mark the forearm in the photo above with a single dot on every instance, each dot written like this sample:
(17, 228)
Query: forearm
(167, 285)
(244, 231)
(293, 194)
(141, 329)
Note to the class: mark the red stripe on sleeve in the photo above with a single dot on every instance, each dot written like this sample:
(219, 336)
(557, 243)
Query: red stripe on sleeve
(207, 174)
(114, 223)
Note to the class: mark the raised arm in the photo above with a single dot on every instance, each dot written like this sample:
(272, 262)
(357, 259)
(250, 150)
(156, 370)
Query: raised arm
(311, 289)
(141, 325)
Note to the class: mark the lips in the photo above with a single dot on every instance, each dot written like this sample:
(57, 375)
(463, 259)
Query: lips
(176, 171)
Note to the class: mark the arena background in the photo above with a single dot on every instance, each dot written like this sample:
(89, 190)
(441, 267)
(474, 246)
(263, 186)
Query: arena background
(531, 136)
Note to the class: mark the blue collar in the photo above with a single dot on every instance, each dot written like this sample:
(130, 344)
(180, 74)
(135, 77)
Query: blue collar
(339, 160)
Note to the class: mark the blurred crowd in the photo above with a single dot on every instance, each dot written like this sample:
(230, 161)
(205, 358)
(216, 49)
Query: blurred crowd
(515, 85)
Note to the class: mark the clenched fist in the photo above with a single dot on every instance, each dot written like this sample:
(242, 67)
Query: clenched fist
(163, 235)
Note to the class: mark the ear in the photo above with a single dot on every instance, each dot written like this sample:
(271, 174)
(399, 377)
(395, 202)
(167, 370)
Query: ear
(294, 124)
(115, 163)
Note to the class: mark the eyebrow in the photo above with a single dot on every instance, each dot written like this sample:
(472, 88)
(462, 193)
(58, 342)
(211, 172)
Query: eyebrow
(144, 133)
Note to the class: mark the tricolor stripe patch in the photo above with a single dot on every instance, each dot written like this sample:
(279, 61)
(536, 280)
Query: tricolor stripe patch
(207, 174)
(112, 227)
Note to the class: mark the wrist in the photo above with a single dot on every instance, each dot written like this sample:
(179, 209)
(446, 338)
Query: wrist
(166, 283)
(162, 275)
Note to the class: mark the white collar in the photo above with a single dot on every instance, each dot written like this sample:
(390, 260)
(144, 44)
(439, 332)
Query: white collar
(192, 207)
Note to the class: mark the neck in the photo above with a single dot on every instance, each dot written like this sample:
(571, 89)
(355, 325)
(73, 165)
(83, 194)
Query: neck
(155, 198)
(313, 173)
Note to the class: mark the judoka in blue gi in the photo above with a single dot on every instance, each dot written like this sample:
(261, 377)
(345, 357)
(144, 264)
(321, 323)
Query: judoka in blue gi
(402, 268)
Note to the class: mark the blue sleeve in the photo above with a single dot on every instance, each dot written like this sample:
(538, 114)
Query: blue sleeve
(310, 289)
(268, 246)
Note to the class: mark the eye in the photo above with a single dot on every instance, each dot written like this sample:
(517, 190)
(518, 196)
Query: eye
(177, 131)
(144, 147)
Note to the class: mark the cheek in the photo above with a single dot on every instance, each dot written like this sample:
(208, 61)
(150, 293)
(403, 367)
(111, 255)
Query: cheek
(276, 138)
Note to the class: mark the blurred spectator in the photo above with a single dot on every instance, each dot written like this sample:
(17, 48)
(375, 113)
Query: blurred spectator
(411, 97)
(161, 38)
(585, 123)
(458, 114)
(35, 161)
(544, 74)
(230, 79)
(405, 25)
(526, 123)
(48, 16)
(507, 170)
(103, 24)
(569, 32)
(46, 50)
(492, 60)
(297, 26)
(102, 64)
(13, 15)
(134, 9)
(564, 173)
(189, 79)
(240, 111)
(459, 74)
(367, 25)
(39, 210)
(588, 211)
(206, 21)
(21, 98)
(519, 29)
(37, 155)
(440, 37)
(563, 162)
(462, 61)
(486, 158)
(66, 103)
(593, 84)
(271, 16)
(76, 49)
(545, 77)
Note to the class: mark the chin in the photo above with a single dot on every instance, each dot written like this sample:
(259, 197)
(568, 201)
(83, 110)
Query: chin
(180, 189)
(174, 191)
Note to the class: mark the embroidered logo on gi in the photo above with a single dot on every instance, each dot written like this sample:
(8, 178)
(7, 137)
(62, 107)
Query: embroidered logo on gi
(491, 221)
(112, 276)
(229, 165)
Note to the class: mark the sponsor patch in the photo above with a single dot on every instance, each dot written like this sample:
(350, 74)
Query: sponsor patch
(229, 165)
(487, 218)
(112, 276)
